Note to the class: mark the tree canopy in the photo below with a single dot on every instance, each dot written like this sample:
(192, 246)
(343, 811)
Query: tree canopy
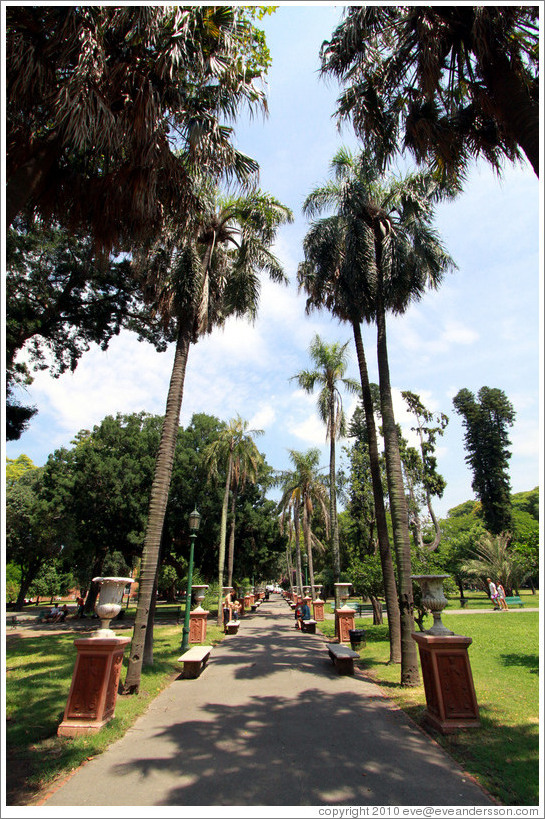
(486, 420)
(109, 107)
(447, 83)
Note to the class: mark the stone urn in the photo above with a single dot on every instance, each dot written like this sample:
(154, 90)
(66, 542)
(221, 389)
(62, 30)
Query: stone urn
(433, 599)
(198, 593)
(318, 589)
(109, 602)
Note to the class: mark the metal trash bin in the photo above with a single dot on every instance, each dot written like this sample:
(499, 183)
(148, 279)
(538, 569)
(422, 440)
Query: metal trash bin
(357, 638)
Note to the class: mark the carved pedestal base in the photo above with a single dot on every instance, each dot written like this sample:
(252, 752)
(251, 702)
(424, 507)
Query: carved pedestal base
(197, 625)
(344, 622)
(451, 702)
(93, 692)
(318, 608)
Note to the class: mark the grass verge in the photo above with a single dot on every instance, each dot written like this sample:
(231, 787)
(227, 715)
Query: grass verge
(39, 672)
(503, 754)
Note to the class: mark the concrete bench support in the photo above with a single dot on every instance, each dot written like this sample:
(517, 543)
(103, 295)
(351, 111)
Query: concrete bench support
(194, 661)
(343, 657)
(309, 626)
(232, 627)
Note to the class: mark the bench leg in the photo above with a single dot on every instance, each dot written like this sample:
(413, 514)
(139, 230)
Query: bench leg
(344, 665)
(191, 669)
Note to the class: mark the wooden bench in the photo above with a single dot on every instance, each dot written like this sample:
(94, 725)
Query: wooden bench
(309, 626)
(342, 657)
(194, 660)
(232, 627)
(514, 601)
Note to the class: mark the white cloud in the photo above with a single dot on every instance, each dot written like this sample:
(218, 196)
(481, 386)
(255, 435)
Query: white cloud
(311, 430)
(263, 418)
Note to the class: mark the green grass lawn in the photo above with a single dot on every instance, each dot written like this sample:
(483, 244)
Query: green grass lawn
(503, 754)
(39, 672)
(480, 600)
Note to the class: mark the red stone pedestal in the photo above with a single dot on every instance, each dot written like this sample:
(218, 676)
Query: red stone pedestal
(451, 702)
(93, 693)
(197, 625)
(344, 622)
(318, 607)
(247, 602)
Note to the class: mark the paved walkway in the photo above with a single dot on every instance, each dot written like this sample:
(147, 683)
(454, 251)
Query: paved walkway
(270, 722)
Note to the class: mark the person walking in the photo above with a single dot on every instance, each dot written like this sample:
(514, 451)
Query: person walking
(501, 598)
(493, 593)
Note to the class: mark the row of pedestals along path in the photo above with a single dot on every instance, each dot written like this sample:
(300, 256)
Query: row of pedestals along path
(270, 722)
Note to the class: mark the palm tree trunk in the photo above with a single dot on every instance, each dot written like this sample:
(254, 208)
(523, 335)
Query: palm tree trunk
(308, 541)
(333, 493)
(398, 507)
(156, 514)
(298, 570)
(388, 574)
(223, 535)
(231, 555)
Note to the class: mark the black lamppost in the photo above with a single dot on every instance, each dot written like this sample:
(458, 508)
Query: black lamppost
(194, 523)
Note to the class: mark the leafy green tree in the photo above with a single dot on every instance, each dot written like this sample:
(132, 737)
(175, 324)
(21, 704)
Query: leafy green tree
(51, 581)
(102, 486)
(448, 83)
(109, 107)
(486, 420)
(17, 467)
(428, 427)
(59, 301)
(33, 530)
(329, 367)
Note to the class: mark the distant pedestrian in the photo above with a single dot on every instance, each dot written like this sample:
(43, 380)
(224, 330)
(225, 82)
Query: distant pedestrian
(493, 593)
(227, 610)
(81, 606)
(501, 598)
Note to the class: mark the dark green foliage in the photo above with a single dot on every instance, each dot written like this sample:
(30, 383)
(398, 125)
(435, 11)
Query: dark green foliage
(486, 420)
(59, 301)
(447, 83)
(33, 531)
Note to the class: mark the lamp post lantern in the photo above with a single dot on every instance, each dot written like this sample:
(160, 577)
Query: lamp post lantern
(194, 523)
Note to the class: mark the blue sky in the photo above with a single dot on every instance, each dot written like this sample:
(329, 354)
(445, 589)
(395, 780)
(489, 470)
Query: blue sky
(482, 328)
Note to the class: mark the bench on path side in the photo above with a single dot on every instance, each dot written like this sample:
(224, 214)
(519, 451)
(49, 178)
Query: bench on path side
(514, 601)
(232, 627)
(342, 657)
(309, 626)
(168, 611)
(194, 660)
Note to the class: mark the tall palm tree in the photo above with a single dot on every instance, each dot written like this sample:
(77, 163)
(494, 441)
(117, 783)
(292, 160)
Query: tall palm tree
(235, 450)
(450, 83)
(109, 107)
(290, 516)
(377, 253)
(195, 284)
(330, 362)
(303, 487)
